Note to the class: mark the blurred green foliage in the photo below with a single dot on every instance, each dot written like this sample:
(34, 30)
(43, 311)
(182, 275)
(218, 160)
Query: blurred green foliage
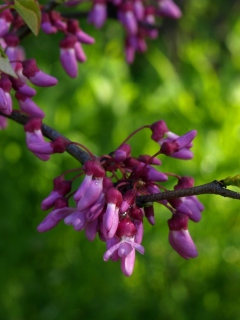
(190, 77)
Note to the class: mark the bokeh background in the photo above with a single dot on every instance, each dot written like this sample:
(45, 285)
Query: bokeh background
(190, 77)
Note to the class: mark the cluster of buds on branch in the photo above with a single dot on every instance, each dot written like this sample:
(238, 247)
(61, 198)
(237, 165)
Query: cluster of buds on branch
(137, 17)
(106, 200)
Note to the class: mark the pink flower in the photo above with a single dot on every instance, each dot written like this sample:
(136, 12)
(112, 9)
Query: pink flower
(36, 76)
(179, 236)
(34, 135)
(68, 56)
(98, 14)
(178, 147)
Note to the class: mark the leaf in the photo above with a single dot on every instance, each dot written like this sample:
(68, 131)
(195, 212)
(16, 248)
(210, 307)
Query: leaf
(6, 67)
(30, 12)
(232, 181)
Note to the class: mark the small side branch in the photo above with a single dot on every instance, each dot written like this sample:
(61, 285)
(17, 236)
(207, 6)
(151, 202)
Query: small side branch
(214, 187)
(79, 154)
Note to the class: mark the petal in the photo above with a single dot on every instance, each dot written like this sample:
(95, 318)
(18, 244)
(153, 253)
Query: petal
(127, 263)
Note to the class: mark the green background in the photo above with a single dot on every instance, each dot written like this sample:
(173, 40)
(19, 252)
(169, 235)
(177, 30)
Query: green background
(190, 77)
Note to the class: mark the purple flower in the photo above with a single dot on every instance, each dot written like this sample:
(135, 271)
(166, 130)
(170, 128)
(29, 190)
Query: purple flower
(68, 56)
(178, 147)
(61, 188)
(127, 17)
(6, 18)
(125, 250)
(29, 106)
(179, 236)
(98, 14)
(169, 9)
(111, 217)
(36, 76)
(34, 135)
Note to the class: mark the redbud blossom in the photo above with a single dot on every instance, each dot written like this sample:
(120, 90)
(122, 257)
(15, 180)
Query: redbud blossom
(36, 76)
(98, 14)
(68, 56)
(179, 236)
(169, 9)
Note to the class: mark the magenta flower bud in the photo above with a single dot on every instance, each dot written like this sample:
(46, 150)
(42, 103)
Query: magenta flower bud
(150, 173)
(179, 237)
(56, 20)
(12, 42)
(61, 188)
(23, 88)
(80, 55)
(128, 199)
(73, 27)
(60, 212)
(183, 244)
(5, 98)
(169, 9)
(46, 24)
(5, 102)
(34, 135)
(194, 207)
(68, 57)
(184, 182)
(138, 9)
(152, 188)
(126, 228)
(93, 167)
(29, 106)
(159, 129)
(127, 17)
(91, 194)
(6, 18)
(136, 214)
(83, 187)
(178, 147)
(149, 213)
(110, 220)
(185, 141)
(122, 152)
(114, 196)
(35, 75)
(98, 14)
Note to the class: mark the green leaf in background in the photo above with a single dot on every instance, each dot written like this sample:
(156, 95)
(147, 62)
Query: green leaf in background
(232, 181)
(30, 12)
(6, 67)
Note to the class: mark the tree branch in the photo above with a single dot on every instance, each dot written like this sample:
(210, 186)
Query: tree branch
(214, 187)
(79, 154)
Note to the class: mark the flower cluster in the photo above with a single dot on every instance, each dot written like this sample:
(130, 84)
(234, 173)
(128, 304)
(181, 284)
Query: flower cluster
(138, 18)
(26, 70)
(106, 200)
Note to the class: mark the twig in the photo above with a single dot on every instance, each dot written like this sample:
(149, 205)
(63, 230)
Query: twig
(214, 187)
(79, 154)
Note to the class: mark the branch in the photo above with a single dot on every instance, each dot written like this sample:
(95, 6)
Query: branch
(214, 187)
(79, 154)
